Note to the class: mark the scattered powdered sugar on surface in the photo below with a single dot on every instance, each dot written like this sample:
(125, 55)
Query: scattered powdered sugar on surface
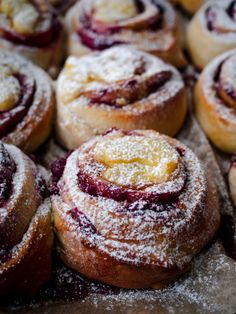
(209, 287)
(200, 291)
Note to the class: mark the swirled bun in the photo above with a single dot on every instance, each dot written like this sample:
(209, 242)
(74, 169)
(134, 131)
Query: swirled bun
(119, 87)
(132, 209)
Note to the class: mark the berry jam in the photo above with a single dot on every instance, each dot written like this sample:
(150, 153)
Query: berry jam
(57, 169)
(10, 118)
(7, 170)
(98, 36)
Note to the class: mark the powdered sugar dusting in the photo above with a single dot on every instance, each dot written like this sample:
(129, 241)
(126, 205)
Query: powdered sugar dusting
(99, 71)
(207, 80)
(119, 230)
(216, 16)
(18, 251)
(135, 160)
(20, 214)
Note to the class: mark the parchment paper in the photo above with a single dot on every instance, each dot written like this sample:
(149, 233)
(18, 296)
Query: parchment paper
(210, 286)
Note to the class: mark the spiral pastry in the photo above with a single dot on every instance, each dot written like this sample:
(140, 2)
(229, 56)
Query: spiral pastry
(232, 178)
(62, 6)
(190, 6)
(119, 87)
(132, 209)
(25, 226)
(148, 25)
(26, 102)
(32, 29)
(215, 101)
(212, 31)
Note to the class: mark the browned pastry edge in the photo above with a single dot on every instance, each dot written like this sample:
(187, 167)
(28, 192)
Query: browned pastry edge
(97, 265)
(216, 117)
(209, 35)
(35, 127)
(31, 266)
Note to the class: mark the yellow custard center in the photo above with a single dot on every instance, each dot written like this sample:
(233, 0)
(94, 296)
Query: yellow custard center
(22, 14)
(136, 160)
(9, 89)
(114, 10)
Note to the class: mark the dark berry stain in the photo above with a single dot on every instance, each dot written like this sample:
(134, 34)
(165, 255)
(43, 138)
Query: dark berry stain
(7, 170)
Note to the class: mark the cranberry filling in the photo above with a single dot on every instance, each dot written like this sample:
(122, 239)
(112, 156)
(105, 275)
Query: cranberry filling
(230, 91)
(130, 91)
(7, 170)
(96, 35)
(232, 10)
(98, 187)
(83, 222)
(222, 87)
(84, 225)
(57, 169)
(9, 119)
(4, 256)
(233, 160)
(96, 42)
(211, 16)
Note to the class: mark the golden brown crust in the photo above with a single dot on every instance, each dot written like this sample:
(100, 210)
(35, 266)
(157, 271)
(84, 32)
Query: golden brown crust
(97, 266)
(119, 248)
(34, 128)
(79, 116)
(211, 32)
(25, 225)
(31, 265)
(164, 42)
(216, 116)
